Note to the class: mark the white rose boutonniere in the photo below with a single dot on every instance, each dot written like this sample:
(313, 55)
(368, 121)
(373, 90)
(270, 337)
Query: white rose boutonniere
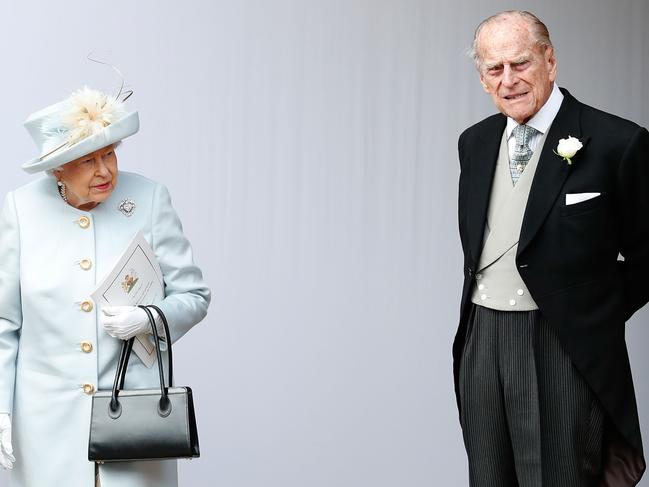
(567, 148)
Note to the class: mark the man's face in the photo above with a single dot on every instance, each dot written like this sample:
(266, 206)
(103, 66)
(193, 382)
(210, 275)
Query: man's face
(517, 73)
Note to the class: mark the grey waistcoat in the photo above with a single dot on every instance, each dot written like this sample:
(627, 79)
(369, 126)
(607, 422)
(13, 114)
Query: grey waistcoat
(498, 283)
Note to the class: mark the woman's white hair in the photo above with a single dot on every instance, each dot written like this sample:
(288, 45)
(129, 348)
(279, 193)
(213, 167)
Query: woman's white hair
(538, 30)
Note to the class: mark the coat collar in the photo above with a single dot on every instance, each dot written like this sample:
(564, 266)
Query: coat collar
(481, 180)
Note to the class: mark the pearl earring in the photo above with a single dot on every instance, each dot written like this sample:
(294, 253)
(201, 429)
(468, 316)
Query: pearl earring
(62, 190)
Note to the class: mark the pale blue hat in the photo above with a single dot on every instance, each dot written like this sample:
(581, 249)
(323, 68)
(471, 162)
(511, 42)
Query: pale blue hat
(86, 121)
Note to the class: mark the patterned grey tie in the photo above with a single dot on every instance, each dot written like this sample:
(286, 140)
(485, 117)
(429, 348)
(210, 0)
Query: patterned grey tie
(522, 152)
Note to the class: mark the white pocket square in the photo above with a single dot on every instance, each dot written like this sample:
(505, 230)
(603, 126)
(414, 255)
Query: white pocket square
(574, 198)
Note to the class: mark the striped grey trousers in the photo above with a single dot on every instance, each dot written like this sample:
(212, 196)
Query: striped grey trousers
(528, 417)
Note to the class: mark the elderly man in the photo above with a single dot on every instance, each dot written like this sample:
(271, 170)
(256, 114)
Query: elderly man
(554, 223)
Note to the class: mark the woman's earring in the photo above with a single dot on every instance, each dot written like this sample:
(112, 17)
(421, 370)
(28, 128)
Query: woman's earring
(62, 190)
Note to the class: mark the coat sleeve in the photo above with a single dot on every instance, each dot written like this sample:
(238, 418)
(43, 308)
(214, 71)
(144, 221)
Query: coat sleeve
(633, 194)
(10, 303)
(186, 295)
(462, 193)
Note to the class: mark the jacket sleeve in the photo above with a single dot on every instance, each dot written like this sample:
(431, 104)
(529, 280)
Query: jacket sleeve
(633, 197)
(10, 303)
(186, 295)
(462, 193)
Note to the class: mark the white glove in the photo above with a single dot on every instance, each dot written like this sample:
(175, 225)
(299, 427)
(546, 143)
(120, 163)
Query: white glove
(125, 322)
(7, 458)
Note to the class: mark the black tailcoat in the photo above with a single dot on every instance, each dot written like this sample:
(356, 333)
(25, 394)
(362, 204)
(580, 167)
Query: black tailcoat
(570, 257)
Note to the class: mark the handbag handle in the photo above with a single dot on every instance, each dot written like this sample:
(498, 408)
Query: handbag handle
(124, 353)
(164, 405)
(122, 357)
(167, 338)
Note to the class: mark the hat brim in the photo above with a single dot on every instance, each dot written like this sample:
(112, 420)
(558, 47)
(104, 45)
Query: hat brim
(116, 131)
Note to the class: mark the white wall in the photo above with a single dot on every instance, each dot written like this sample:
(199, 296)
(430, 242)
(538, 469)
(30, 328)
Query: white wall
(309, 146)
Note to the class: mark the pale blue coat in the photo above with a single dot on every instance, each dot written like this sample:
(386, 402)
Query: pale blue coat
(43, 367)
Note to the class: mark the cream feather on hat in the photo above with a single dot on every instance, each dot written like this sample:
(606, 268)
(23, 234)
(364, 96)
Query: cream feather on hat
(86, 121)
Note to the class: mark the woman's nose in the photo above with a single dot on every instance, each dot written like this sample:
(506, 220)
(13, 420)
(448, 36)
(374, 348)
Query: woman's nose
(100, 166)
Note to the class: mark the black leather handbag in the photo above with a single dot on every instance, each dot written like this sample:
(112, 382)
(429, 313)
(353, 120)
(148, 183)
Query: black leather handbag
(143, 424)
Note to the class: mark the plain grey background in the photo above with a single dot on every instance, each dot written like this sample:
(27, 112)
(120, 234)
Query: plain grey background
(310, 148)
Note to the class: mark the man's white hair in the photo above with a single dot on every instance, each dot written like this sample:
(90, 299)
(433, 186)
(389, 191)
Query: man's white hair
(538, 30)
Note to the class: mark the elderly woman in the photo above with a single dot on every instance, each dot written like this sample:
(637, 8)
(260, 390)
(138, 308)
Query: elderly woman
(59, 235)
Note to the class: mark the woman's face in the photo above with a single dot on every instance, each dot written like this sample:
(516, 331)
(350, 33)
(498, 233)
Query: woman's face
(91, 179)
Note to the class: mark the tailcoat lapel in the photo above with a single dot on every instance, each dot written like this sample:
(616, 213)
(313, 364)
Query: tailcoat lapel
(483, 165)
(552, 170)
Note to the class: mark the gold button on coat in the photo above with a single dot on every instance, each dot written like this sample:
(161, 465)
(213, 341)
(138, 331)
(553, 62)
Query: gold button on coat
(88, 388)
(84, 222)
(86, 306)
(85, 264)
(86, 347)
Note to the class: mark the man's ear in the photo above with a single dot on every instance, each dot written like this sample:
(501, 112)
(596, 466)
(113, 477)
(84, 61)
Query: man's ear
(484, 85)
(551, 59)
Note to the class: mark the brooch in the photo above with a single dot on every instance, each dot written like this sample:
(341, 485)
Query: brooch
(127, 207)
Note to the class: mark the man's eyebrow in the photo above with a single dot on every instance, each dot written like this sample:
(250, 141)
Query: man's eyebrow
(520, 60)
(493, 65)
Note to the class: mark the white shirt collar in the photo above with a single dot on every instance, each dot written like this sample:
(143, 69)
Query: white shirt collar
(544, 117)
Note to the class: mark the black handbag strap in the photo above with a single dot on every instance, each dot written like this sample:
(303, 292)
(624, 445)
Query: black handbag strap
(167, 338)
(156, 339)
(122, 363)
